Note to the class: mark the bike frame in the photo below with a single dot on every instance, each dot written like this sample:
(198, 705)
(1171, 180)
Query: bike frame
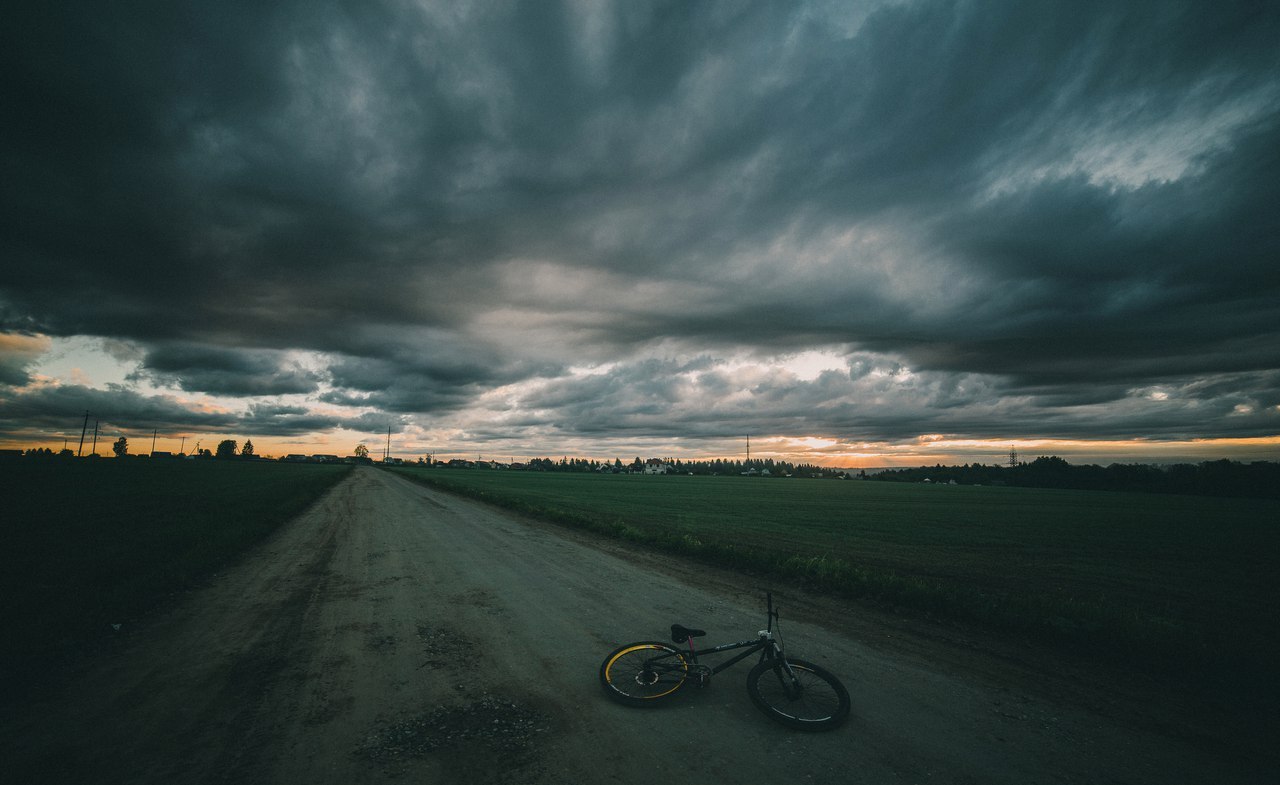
(766, 644)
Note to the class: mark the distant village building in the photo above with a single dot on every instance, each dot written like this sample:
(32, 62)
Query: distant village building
(657, 466)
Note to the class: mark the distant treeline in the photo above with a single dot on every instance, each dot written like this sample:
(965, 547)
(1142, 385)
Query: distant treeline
(1260, 479)
(715, 467)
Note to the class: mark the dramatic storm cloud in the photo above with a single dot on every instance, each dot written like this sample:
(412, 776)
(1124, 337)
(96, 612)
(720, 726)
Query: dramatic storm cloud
(597, 227)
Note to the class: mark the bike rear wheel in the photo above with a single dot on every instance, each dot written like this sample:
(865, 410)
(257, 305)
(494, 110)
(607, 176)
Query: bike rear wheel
(814, 700)
(640, 674)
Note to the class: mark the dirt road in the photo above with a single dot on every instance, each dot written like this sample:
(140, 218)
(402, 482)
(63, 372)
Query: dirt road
(396, 634)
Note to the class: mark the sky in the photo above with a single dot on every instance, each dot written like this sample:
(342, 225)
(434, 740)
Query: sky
(859, 234)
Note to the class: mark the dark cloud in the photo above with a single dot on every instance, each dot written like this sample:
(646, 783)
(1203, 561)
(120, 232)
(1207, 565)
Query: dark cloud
(17, 354)
(60, 409)
(41, 412)
(268, 420)
(1038, 212)
(231, 372)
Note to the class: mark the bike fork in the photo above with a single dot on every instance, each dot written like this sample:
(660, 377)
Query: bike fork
(791, 686)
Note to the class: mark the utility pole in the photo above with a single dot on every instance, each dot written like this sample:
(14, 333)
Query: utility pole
(1013, 456)
(153, 441)
(748, 449)
(386, 454)
(181, 450)
(83, 428)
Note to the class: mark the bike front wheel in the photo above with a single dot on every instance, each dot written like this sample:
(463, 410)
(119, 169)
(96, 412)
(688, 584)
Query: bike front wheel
(639, 674)
(798, 694)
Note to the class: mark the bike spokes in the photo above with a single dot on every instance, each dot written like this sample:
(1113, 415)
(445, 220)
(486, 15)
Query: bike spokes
(642, 672)
(798, 694)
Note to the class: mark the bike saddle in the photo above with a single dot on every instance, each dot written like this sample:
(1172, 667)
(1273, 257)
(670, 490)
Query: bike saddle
(681, 633)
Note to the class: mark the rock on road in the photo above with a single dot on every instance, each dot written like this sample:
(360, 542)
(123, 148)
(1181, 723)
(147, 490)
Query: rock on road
(397, 634)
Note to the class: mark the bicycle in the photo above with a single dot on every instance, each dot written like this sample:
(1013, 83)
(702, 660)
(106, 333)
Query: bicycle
(792, 691)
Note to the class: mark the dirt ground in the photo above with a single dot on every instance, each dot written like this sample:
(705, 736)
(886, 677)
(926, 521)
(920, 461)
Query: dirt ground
(396, 634)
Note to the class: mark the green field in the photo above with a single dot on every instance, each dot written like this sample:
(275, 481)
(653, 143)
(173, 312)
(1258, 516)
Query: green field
(86, 544)
(1173, 581)
(1184, 584)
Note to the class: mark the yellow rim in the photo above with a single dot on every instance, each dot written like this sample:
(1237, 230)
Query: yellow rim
(609, 671)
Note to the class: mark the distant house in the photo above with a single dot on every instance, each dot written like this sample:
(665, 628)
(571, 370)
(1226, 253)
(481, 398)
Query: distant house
(657, 466)
(295, 458)
(318, 458)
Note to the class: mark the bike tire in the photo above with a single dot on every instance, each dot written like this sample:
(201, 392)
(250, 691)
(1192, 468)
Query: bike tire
(821, 703)
(627, 677)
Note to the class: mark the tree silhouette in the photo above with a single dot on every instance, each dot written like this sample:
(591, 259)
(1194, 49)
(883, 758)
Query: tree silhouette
(226, 449)
(121, 447)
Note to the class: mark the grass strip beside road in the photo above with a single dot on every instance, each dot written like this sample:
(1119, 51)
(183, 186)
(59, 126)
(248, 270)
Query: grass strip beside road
(86, 544)
(1182, 584)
